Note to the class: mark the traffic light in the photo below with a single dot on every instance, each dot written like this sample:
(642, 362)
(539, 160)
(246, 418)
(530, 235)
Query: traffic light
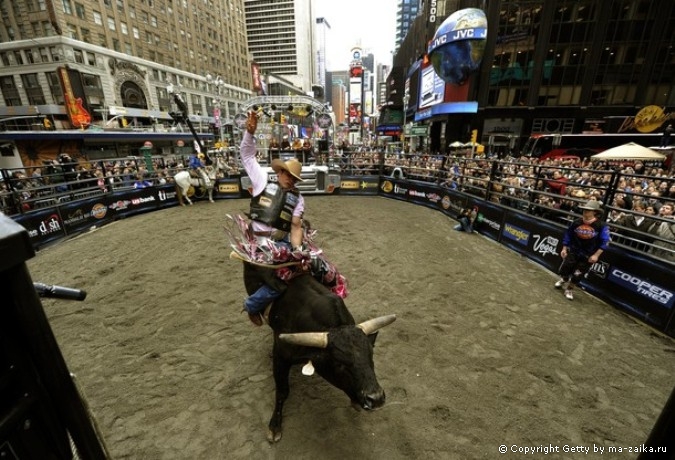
(46, 123)
(282, 119)
(125, 123)
(474, 136)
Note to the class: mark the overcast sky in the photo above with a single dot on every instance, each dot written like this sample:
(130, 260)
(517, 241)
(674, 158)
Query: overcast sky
(368, 23)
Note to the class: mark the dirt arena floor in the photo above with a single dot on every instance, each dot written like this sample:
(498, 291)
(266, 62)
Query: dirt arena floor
(484, 353)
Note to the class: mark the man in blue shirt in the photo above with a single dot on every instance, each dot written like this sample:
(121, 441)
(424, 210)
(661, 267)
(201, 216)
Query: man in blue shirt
(583, 243)
(195, 164)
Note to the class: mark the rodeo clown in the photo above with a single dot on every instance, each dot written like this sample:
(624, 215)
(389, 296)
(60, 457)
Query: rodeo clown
(584, 241)
(275, 233)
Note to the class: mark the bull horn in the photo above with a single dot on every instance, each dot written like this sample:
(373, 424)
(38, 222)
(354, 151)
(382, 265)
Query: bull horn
(306, 339)
(372, 325)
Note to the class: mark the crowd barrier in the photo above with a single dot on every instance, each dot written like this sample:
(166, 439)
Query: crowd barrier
(636, 283)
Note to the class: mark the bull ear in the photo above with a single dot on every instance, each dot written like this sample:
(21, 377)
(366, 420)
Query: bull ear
(306, 339)
(372, 325)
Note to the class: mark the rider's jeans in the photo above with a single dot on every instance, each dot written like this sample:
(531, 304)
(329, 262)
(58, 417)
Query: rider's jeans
(256, 302)
(260, 299)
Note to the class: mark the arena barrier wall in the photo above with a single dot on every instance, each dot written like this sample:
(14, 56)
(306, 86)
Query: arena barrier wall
(638, 285)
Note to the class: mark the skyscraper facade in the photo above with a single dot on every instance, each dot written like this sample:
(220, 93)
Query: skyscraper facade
(120, 55)
(549, 67)
(406, 14)
(281, 38)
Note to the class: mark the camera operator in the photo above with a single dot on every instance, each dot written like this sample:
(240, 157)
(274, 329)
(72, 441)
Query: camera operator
(68, 168)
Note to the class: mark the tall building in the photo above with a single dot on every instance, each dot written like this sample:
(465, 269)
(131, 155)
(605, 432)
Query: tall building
(281, 39)
(406, 14)
(322, 28)
(549, 67)
(116, 57)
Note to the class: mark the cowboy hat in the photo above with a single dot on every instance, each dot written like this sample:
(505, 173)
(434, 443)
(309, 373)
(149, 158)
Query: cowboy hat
(292, 166)
(591, 205)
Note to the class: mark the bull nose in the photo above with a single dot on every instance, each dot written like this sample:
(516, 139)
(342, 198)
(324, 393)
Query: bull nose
(374, 399)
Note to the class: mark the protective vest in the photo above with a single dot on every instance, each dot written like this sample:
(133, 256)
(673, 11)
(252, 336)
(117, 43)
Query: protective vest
(274, 206)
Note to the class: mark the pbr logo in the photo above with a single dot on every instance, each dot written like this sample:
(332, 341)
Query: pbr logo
(98, 211)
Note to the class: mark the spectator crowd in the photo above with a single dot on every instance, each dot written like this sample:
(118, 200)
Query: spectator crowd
(637, 197)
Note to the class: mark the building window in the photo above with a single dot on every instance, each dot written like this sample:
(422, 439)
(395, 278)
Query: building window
(18, 57)
(56, 54)
(79, 58)
(33, 89)
(79, 10)
(48, 28)
(91, 58)
(124, 28)
(136, 32)
(67, 7)
(71, 31)
(32, 57)
(98, 19)
(128, 49)
(86, 35)
(55, 87)
(153, 21)
(44, 55)
(9, 91)
(111, 23)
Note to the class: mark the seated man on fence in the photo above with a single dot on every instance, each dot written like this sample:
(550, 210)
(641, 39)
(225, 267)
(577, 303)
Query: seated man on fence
(196, 164)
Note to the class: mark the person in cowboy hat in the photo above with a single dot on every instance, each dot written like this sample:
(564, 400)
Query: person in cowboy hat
(583, 243)
(276, 213)
(195, 163)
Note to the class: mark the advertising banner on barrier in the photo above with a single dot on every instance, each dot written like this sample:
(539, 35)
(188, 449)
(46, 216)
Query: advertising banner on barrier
(84, 214)
(452, 202)
(445, 200)
(167, 196)
(641, 286)
(43, 226)
(538, 240)
(422, 194)
(227, 188)
(134, 201)
(489, 220)
(359, 185)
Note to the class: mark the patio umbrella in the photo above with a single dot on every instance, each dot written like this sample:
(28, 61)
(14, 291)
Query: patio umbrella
(630, 151)
(456, 145)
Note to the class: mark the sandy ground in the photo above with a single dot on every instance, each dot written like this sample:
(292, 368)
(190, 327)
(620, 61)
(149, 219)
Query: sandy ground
(484, 352)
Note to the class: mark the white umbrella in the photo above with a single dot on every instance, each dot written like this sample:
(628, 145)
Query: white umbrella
(456, 145)
(630, 151)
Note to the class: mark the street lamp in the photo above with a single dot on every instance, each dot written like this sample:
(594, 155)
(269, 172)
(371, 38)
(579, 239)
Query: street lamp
(406, 99)
(217, 101)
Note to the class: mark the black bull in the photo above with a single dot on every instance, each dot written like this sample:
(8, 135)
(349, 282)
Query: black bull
(310, 323)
